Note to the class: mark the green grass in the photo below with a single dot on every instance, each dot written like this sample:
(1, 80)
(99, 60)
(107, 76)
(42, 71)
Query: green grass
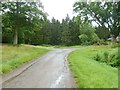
(89, 73)
(61, 46)
(14, 56)
(64, 47)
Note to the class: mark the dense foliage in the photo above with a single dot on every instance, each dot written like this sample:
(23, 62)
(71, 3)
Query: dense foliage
(19, 18)
(110, 59)
(105, 14)
(26, 22)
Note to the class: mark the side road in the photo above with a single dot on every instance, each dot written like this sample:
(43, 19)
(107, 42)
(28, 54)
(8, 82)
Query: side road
(48, 71)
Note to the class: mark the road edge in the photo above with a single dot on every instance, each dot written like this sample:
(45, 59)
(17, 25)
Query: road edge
(16, 72)
(71, 74)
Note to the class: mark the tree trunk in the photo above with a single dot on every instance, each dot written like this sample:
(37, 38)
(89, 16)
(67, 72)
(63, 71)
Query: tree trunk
(15, 39)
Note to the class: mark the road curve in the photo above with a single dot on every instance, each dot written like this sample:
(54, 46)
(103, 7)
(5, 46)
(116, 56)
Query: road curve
(50, 71)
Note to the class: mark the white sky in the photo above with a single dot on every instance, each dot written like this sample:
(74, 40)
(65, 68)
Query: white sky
(58, 8)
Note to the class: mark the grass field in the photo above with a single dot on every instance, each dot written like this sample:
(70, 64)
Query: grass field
(14, 56)
(89, 73)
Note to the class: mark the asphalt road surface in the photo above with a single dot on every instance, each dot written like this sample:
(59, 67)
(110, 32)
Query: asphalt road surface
(50, 71)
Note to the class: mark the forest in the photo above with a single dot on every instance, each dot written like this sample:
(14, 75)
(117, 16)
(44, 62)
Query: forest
(27, 23)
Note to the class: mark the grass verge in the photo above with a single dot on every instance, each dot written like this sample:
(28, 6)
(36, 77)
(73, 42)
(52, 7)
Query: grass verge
(89, 73)
(14, 56)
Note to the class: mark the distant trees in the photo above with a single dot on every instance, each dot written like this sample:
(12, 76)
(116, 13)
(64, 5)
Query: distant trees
(70, 34)
(64, 33)
(26, 22)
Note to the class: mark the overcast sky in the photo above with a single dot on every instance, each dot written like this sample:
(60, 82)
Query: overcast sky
(58, 8)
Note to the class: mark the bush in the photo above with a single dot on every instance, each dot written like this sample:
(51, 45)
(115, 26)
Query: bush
(110, 59)
(97, 57)
(106, 57)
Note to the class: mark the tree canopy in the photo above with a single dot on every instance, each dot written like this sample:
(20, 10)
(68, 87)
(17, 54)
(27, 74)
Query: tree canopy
(26, 22)
(105, 14)
(18, 16)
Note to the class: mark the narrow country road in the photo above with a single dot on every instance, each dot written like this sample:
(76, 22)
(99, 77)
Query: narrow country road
(50, 71)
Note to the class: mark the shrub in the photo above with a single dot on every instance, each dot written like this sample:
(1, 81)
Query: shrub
(115, 60)
(110, 59)
(97, 57)
(106, 57)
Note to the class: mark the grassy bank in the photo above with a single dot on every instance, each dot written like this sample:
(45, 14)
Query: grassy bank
(89, 73)
(14, 56)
